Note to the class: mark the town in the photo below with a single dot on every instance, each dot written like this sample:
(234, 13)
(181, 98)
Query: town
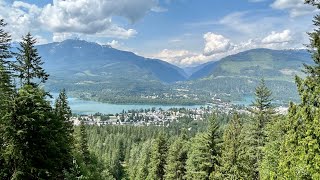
(160, 117)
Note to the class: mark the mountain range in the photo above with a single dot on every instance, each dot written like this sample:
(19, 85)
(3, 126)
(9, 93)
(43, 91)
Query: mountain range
(100, 72)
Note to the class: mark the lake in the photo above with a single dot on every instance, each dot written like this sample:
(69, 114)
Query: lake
(246, 100)
(79, 106)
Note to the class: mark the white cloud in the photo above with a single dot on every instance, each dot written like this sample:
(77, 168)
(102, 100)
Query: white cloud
(41, 40)
(65, 18)
(278, 37)
(159, 9)
(196, 60)
(295, 7)
(57, 37)
(114, 44)
(217, 46)
(94, 16)
(173, 56)
(237, 22)
(21, 18)
(215, 43)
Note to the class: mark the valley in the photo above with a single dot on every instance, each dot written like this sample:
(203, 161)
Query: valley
(90, 71)
(159, 90)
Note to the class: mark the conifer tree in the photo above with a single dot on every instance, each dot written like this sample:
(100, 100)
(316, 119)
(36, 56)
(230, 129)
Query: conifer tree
(204, 153)
(31, 137)
(255, 136)
(300, 151)
(198, 164)
(5, 53)
(133, 161)
(270, 162)
(6, 94)
(262, 106)
(28, 64)
(6, 87)
(63, 113)
(158, 158)
(5, 40)
(214, 142)
(84, 149)
(144, 160)
(176, 161)
(231, 164)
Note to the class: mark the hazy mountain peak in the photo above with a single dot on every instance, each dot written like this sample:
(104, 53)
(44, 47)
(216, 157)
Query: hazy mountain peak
(78, 57)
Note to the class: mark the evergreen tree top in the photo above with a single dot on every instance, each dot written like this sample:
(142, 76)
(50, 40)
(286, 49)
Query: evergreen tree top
(5, 46)
(28, 64)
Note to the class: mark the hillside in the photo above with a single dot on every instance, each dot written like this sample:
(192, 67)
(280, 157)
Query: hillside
(258, 63)
(237, 75)
(98, 72)
(79, 58)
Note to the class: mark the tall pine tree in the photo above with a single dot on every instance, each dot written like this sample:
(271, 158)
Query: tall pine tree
(28, 64)
(204, 153)
(269, 167)
(63, 114)
(5, 53)
(300, 151)
(31, 137)
(231, 162)
(176, 161)
(83, 143)
(6, 95)
(158, 158)
(144, 160)
(5, 40)
(255, 132)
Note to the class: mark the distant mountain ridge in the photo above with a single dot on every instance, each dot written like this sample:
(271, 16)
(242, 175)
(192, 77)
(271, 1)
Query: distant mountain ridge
(236, 76)
(79, 55)
(256, 62)
(103, 73)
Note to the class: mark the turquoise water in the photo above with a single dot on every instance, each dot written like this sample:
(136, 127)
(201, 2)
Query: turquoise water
(246, 101)
(79, 106)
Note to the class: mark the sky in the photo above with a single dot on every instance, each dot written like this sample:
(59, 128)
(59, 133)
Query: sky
(182, 32)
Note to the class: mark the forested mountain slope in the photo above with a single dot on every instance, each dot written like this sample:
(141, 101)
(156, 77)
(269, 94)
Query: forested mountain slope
(102, 73)
(236, 76)
(82, 63)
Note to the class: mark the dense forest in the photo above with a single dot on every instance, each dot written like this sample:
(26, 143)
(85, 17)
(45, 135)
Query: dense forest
(38, 140)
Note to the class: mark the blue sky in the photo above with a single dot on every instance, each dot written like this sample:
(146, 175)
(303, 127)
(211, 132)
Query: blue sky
(182, 32)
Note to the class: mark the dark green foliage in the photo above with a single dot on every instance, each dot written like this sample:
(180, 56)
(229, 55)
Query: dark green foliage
(5, 40)
(83, 143)
(214, 142)
(231, 162)
(63, 113)
(199, 158)
(5, 53)
(31, 134)
(262, 104)
(36, 139)
(176, 160)
(6, 95)
(28, 64)
(269, 167)
(255, 138)
(144, 160)
(158, 158)
(204, 152)
(300, 150)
